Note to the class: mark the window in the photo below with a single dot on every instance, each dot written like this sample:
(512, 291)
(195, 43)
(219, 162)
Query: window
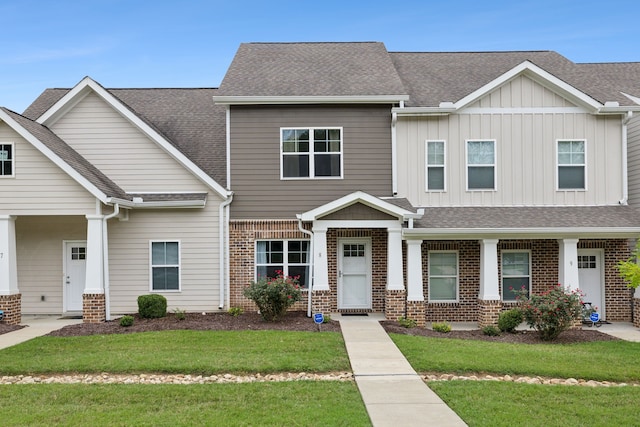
(571, 165)
(78, 253)
(311, 153)
(443, 276)
(587, 261)
(291, 257)
(435, 165)
(6, 159)
(165, 266)
(481, 165)
(516, 273)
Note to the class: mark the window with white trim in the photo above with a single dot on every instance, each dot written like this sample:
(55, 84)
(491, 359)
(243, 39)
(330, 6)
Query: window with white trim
(443, 276)
(286, 257)
(516, 274)
(435, 159)
(6, 159)
(481, 165)
(571, 165)
(165, 265)
(311, 153)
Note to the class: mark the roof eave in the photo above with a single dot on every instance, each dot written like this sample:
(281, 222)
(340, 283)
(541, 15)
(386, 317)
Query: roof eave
(280, 100)
(528, 233)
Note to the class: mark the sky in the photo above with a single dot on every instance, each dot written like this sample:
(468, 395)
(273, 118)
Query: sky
(190, 43)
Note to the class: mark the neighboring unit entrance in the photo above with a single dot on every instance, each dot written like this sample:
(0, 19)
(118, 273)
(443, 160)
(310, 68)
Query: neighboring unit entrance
(75, 265)
(590, 277)
(354, 274)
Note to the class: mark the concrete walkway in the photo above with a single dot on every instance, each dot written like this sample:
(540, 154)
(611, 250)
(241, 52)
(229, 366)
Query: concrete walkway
(393, 393)
(35, 326)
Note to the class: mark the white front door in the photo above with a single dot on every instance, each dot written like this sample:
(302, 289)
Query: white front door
(354, 274)
(590, 277)
(75, 266)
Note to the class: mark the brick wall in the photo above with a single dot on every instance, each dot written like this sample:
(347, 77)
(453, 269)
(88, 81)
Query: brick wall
(488, 312)
(416, 311)
(395, 306)
(636, 312)
(93, 308)
(12, 307)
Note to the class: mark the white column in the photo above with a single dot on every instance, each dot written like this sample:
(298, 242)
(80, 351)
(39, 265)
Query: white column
(320, 260)
(8, 256)
(94, 278)
(394, 259)
(489, 281)
(568, 263)
(414, 271)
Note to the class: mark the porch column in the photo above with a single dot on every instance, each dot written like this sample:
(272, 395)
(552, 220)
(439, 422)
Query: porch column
(8, 256)
(568, 263)
(320, 259)
(489, 301)
(414, 271)
(93, 298)
(394, 260)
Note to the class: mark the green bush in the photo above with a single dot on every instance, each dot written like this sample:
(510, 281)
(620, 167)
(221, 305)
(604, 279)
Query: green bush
(235, 311)
(509, 320)
(491, 331)
(274, 296)
(406, 322)
(152, 306)
(126, 321)
(180, 314)
(442, 327)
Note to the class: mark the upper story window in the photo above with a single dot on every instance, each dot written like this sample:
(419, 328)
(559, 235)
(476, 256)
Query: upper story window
(165, 266)
(571, 165)
(481, 165)
(286, 257)
(6, 160)
(443, 276)
(435, 165)
(311, 152)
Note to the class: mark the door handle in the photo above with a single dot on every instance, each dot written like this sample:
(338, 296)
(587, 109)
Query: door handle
(339, 273)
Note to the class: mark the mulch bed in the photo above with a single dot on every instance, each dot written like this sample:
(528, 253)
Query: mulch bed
(4, 328)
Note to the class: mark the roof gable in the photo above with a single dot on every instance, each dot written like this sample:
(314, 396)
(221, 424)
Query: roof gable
(363, 199)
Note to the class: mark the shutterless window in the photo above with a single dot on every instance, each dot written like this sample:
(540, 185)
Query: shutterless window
(165, 266)
(443, 276)
(481, 165)
(571, 165)
(516, 274)
(435, 165)
(311, 153)
(6, 160)
(289, 257)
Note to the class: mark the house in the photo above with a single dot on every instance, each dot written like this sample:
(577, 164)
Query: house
(424, 185)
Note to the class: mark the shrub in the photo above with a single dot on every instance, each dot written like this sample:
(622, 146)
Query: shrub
(406, 322)
(509, 320)
(152, 306)
(442, 327)
(274, 296)
(491, 331)
(554, 311)
(180, 314)
(235, 311)
(126, 321)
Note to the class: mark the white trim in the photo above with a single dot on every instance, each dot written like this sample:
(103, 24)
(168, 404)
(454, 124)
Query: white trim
(602, 309)
(349, 99)
(368, 259)
(494, 165)
(426, 166)
(558, 165)
(429, 276)
(65, 260)
(514, 233)
(12, 159)
(503, 276)
(311, 153)
(151, 266)
(524, 110)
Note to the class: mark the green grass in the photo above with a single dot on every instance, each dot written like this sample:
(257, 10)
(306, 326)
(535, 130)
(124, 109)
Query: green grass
(266, 404)
(604, 360)
(509, 404)
(189, 352)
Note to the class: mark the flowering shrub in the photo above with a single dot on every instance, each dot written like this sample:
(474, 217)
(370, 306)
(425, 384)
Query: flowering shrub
(274, 296)
(554, 311)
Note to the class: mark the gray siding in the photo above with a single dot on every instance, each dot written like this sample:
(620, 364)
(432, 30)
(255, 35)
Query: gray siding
(255, 158)
(633, 150)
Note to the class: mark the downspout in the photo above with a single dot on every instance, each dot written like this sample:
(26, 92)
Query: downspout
(223, 219)
(310, 288)
(394, 155)
(625, 179)
(105, 260)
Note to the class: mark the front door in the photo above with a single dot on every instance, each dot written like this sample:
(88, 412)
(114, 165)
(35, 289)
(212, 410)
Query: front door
(590, 277)
(75, 265)
(354, 274)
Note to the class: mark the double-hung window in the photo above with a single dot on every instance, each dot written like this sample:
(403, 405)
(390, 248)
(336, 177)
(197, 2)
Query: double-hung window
(443, 276)
(481, 165)
(571, 165)
(165, 266)
(286, 257)
(435, 165)
(516, 274)
(6, 160)
(311, 153)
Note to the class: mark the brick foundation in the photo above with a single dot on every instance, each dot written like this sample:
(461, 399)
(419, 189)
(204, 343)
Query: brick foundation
(416, 311)
(321, 302)
(93, 308)
(394, 304)
(12, 307)
(488, 312)
(636, 312)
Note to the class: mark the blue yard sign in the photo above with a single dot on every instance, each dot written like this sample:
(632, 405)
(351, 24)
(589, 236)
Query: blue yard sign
(595, 316)
(318, 318)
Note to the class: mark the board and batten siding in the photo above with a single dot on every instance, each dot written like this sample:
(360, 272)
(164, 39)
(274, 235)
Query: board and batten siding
(120, 150)
(129, 265)
(39, 186)
(633, 150)
(525, 147)
(255, 158)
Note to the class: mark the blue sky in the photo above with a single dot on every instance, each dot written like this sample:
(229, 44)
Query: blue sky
(190, 43)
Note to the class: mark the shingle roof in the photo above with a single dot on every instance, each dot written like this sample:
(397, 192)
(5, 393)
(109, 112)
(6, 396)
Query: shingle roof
(311, 69)
(70, 156)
